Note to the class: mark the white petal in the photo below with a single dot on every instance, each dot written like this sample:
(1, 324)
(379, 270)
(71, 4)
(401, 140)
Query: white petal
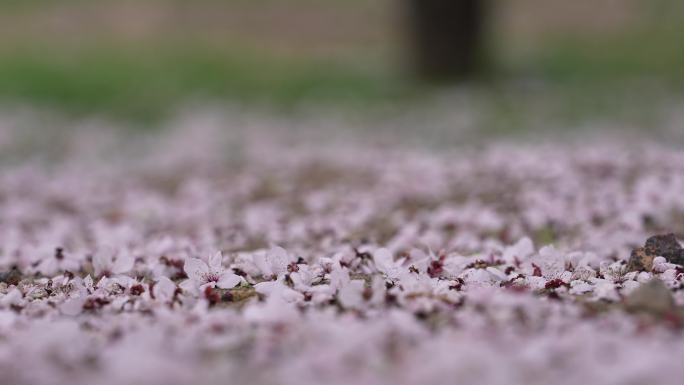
(259, 259)
(13, 297)
(88, 282)
(275, 309)
(339, 277)
(48, 267)
(103, 282)
(520, 251)
(73, 306)
(119, 303)
(351, 295)
(498, 274)
(164, 289)
(102, 260)
(71, 265)
(124, 263)
(266, 288)
(195, 269)
(279, 290)
(289, 295)
(278, 260)
(215, 261)
(202, 288)
(189, 286)
(383, 259)
(228, 281)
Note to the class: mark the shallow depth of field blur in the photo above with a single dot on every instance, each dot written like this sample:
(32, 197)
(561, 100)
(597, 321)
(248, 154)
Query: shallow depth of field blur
(550, 65)
(278, 192)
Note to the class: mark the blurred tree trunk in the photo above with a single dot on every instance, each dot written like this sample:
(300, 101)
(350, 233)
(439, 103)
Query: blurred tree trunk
(446, 37)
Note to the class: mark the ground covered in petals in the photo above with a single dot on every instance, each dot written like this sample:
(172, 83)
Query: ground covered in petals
(184, 258)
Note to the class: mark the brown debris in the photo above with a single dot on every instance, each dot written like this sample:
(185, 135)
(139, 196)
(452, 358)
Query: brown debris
(235, 297)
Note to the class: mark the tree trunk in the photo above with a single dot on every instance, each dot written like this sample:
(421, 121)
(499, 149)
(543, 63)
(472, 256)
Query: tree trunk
(446, 38)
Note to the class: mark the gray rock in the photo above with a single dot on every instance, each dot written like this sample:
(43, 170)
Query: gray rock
(665, 246)
(11, 277)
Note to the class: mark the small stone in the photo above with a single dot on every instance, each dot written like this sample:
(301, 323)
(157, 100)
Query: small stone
(652, 297)
(665, 246)
(11, 277)
(240, 293)
(640, 260)
(39, 293)
(236, 296)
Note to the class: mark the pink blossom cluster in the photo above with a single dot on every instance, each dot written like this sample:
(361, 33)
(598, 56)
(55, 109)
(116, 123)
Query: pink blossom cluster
(347, 264)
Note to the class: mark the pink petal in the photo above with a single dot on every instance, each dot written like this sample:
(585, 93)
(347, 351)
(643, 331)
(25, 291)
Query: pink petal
(383, 259)
(71, 265)
(228, 281)
(195, 269)
(278, 259)
(164, 289)
(102, 260)
(215, 261)
(73, 306)
(189, 286)
(124, 263)
(48, 267)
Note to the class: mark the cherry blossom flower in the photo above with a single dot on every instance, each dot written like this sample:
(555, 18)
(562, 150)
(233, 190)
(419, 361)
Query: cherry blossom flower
(273, 262)
(355, 294)
(385, 263)
(107, 261)
(519, 251)
(278, 289)
(202, 274)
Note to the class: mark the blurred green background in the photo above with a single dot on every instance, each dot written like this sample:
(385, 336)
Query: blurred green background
(557, 61)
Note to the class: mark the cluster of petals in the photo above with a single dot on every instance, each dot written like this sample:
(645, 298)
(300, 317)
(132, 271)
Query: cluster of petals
(345, 265)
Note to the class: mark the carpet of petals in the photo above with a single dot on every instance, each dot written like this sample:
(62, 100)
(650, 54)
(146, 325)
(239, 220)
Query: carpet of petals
(346, 264)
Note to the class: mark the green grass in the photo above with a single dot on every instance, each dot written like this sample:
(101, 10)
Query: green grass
(569, 81)
(565, 80)
(149, 83)
(650, 55)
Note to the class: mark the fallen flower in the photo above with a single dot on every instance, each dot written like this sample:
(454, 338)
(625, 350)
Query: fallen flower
(202, 274)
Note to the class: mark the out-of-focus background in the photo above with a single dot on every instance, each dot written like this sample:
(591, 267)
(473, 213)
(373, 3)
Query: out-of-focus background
(516, 66)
